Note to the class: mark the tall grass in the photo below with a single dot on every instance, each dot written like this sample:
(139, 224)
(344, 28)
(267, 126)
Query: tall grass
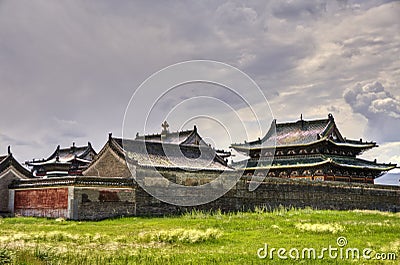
(196, 237)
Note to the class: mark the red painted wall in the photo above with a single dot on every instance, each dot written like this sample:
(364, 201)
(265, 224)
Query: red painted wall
(51, 202)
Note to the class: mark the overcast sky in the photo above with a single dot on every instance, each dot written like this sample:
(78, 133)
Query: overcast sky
(69, 68)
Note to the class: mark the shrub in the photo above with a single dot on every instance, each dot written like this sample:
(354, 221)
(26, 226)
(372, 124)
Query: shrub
(181, 236)
(5, 256)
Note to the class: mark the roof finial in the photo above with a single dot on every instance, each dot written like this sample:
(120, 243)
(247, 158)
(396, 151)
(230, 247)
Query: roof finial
(57, 153)
(9, 150)
(301, 116)
(109, 136)
(165, 126)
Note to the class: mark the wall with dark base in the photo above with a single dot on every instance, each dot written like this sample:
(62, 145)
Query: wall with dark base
(275, 192)
(101, 203)
(123, 197)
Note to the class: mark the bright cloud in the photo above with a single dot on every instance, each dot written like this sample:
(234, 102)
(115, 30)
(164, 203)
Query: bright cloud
(380, 107)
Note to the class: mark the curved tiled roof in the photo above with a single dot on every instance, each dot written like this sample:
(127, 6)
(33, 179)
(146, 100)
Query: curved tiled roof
(302, 132)
(8, 161)
(170, 137)
(313, 160)
(173, 156)
(179, 137)
(67, 155)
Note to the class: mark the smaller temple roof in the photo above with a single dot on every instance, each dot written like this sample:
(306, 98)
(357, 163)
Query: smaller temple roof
(301, 133)
(7, 161)
(188, 137)
(176, 150)
(82, 154)
(173, 156)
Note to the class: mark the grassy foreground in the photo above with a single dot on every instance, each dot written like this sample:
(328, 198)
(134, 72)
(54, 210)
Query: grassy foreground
(203, 238)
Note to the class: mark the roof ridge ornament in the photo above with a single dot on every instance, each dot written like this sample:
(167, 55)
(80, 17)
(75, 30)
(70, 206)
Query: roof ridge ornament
(58, 154)
(165, 127)
(9, 150)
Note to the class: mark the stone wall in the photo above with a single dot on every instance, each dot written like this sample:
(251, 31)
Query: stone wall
(100, 203)
(275, 192)
(93, 198)
(4, 182)
(318, 194)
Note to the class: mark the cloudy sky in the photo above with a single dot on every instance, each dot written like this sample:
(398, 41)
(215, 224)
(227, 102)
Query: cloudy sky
(69, 68)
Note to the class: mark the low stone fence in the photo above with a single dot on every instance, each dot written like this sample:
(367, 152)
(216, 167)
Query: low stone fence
(94, 198)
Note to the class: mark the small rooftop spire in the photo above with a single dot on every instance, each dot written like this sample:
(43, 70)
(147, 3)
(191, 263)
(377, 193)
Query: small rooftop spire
(9, 150)
(165, 127)
(109, 136)
(58, 153)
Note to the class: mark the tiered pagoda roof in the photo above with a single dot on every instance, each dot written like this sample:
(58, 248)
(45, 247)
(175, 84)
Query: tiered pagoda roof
(64, 161)
(305, 148)
(303, 133)
(312, 161)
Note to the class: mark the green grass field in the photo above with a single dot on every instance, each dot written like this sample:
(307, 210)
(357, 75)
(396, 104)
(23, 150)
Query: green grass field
(203, 238)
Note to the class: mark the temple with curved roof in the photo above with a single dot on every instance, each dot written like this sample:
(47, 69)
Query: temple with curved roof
(167, 151)
(69, 161)
(10, 170)
(313, 149)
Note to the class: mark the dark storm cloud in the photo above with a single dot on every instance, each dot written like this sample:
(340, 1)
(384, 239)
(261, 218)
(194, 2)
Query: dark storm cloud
(297, 9)
(12, 141)
(68, 69)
